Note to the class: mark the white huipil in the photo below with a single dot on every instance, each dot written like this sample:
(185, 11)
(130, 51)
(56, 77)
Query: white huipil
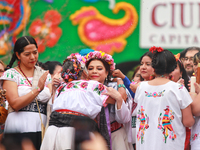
(159, 116)
(25, 121)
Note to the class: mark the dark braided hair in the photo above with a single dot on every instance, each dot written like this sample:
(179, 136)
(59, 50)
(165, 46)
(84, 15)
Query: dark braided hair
(163, 62)
(19, 48)
(71, 69)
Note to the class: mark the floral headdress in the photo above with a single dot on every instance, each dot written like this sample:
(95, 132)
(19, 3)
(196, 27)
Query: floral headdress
(101, 55)
(154, 49)
(70, 75)
(80, 58)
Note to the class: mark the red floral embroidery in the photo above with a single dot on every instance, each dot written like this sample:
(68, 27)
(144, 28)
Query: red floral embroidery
(46, 32)
(69, 85)
(84, 85)
(101, 87)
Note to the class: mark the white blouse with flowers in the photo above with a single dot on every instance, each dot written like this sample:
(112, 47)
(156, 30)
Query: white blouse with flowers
(25, 121)
(81, 96)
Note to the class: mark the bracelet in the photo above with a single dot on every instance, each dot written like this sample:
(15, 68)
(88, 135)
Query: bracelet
(121, 85)
(38, 89)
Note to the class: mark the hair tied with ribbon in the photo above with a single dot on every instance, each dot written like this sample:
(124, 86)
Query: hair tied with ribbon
(154, 49)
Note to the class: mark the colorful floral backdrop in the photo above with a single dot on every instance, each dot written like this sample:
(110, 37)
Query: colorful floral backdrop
(62, 27)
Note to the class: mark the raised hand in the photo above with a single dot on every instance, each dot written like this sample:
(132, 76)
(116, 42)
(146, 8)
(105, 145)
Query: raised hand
(42, 80)
(118, 73)
(56, 80)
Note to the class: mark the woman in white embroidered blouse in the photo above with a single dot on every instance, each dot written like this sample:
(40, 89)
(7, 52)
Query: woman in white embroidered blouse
(23, 114)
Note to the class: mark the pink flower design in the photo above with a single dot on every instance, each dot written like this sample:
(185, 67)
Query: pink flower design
(84, 85)
(154, 94)
(100, 87)
(69, 85)
(26, 82)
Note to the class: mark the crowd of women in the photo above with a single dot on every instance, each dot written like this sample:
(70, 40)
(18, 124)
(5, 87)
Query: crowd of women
(88, 104)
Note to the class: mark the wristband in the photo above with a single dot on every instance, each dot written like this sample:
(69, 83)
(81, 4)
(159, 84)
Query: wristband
(121, 85)
(38, 89)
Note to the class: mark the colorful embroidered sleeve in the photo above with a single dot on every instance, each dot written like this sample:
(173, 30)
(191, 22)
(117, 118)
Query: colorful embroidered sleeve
(48, 80)
(11, 75)
(185, 98)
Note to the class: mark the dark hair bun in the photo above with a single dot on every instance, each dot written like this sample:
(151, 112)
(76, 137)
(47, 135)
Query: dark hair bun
(163, 62)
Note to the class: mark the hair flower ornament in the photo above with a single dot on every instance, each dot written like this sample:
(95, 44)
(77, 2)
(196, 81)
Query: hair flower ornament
(177, 56)
(101, 55)
(154, 49)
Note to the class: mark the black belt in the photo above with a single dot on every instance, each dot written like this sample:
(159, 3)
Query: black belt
(32, 107)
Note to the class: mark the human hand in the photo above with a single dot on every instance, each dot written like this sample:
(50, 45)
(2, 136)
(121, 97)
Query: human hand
(42, 80)
(56, 80)
(97, 142)
(118, 73)
(197, 88)
(133, 87)
(113, 93)
(189, 85)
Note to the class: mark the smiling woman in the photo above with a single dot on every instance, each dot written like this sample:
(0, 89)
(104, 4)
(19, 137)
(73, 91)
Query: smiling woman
(28, 82)
(100, 67)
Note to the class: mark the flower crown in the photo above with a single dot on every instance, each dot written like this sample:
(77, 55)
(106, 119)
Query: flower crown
(101, 55)
(70, 75)
(154, 49)
(80, 58)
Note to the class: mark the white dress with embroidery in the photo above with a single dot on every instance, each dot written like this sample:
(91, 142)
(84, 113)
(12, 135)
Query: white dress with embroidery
(81, 96)
(159, 118)
(25, 121)
(195, 135)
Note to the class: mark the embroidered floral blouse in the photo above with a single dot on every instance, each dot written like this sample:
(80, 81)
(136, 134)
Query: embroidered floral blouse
(81, 96)
(159, 117)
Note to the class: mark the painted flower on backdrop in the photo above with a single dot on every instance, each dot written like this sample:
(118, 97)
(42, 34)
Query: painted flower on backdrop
(46, 32)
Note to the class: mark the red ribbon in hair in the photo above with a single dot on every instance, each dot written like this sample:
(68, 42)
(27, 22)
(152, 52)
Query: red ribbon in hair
(158, 49)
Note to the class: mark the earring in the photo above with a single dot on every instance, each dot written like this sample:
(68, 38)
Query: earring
(18, 62)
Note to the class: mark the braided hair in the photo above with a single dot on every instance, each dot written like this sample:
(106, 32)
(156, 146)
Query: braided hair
(71, 69)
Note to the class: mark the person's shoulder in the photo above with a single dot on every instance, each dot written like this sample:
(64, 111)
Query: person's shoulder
(12, 71)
